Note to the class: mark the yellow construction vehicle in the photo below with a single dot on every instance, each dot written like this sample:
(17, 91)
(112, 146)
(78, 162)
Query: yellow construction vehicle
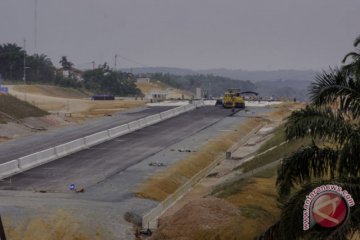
(233, 99)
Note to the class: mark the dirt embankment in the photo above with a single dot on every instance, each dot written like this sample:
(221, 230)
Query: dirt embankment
(190, 222)
(30, 108)
(172, 93)
(65, 101)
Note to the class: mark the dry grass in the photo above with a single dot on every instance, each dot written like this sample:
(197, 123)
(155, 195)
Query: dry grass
(257, 203)
(283, 110)
(52, 91)
(100, 108)
(159, 186)
(256, 198)
(60, 226)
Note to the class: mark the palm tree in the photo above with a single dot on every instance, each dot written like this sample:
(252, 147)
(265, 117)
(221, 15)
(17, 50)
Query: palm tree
(332, 121)
(354, 66)
(67, 65)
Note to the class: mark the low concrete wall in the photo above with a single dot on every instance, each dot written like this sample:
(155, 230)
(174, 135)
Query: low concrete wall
(153, 119)
(167, 114)
(143, 123)
(9, 168)
(70, 147)
(134, 125)
(37, 159)
(151, 218)
(96, 138)
(119, 131)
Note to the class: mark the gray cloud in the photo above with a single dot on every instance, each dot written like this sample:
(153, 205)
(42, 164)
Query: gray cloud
(198, 34)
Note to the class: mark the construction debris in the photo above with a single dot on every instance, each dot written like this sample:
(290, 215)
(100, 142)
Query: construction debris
(156, 164)
(184, 150)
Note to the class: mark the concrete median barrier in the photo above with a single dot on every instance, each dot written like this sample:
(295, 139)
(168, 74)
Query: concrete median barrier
(179, 110)
(153, 119)
(9, 168)
(198, 103)
(70, 147)
(119, 131)
(143, 123)
(37, 159)
(167, 114)
(189, 107)
(134, 125)
(96, 138)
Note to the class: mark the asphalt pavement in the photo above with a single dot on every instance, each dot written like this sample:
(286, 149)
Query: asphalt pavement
(43, 140)
(91, 166)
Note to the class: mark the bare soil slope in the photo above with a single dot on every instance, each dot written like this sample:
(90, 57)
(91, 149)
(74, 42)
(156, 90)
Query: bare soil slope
(52, 91)
(63, 100)
(173, 93)
(193, 219)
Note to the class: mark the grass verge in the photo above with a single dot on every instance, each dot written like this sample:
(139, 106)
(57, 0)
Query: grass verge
(274, 155)
(277, 138)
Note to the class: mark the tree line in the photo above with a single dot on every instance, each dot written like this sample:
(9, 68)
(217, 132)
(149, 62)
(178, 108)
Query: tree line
(40, 69)
(212, 85)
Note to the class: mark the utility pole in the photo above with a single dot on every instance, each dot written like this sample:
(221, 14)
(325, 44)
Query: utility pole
(115, 62)
(93, 65)
(35, 26)
(24, 78)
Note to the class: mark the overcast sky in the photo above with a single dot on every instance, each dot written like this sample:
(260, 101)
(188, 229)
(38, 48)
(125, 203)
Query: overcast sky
(196, 34)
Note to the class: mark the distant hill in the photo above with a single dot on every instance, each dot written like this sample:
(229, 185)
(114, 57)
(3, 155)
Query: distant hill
(237, 74)
(284, 88)
(175, 71)
(279, 83)
(302, 75)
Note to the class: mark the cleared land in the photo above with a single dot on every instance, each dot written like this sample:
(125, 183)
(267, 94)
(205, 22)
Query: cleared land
(51, 91)
(63, 100)
(172, 93)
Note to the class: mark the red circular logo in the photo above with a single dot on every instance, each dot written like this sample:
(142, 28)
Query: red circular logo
(329, 210)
